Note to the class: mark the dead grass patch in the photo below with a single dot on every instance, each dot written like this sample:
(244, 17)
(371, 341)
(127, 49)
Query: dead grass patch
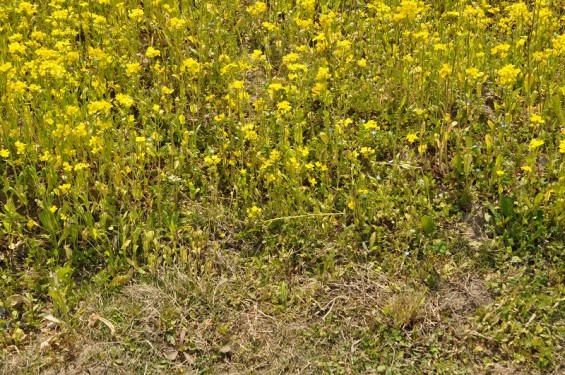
(234, 321)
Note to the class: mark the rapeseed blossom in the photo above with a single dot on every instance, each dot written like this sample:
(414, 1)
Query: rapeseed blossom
(134, 117)
(20, 147)
(257, 8)
(507, 74)
(152, 52)
(474, 73)
(535, 143)
(536, 119)
(412, 137)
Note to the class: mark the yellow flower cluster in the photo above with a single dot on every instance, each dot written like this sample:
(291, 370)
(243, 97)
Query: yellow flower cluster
(125, 115)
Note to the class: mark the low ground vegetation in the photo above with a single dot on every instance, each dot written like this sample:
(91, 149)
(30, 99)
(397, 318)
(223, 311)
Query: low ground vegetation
(303, 186)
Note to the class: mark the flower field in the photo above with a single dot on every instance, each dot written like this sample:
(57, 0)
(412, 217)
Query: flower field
(287, 146)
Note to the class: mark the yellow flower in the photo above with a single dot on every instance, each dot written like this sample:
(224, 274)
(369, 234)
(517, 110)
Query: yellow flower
(323, 74)
(152, 52)
(133, 68)
(371, 125)
(411, 137)
(99, 106)
(96, 144)
(307, 5)
(16, 47)
(5, 67)
(212, 160)
(284, 107)
(257, 55)
(275, 155)
(562, 147)
(474, 73)
(46, 156)
(136, 14)
(20, 148)
(71, 110)
(445, 70)
(269, 26)
(321, 166)
(367, 151)
(559, 44)
(535, 143)
(191, 65)
(343, 45)
(408, 9)
(26, 7)
(296, 67)
(500, 173)
(290, 58)
(166, 90)
(177, 23)
(80, 166)
(125, 100)
(63, 189)
(5, 153)
(254, 212)
(257, 8)
(319, 88)
(526, 168)
(507, 74)
(53, 208)
(501, 49)
(304, 24)
(237, 85)
(536, 119)
(67, 167)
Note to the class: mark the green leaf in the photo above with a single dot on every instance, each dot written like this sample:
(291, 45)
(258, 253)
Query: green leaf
(427, 224)
(507, 206)
(458, 164)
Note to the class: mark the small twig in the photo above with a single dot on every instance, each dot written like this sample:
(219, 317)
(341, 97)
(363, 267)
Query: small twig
(332, 303)
(475, 333)
(265, 315)
(303, 216)
(150, 344)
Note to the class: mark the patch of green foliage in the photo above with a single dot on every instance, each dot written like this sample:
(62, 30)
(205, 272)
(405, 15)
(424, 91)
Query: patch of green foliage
(310, 137)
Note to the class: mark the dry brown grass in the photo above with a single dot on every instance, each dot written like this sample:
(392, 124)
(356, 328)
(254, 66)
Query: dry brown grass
(234, 321)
